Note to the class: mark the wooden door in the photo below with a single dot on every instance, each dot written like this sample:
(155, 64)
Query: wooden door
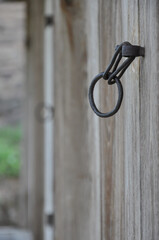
(106, 170)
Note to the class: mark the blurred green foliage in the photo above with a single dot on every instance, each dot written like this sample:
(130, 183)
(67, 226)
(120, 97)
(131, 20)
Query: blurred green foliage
(10, 138)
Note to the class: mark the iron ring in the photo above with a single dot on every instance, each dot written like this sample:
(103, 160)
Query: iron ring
(91, 96)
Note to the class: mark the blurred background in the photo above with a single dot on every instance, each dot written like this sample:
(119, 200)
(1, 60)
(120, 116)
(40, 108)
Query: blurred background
(12, 91)
(23, 104)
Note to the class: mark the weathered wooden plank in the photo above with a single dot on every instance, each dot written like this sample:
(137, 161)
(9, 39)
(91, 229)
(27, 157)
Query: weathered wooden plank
(120, 134)
(34, 127)
(77, 190)
(130, 26)
(107, 41)
(111, 168)
(92, 30)
(129, 140)
(149, 119)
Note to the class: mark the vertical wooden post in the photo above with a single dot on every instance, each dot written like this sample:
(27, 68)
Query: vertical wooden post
(129, 146)
(120, 135)
(107, 126)
(34, 127)
(77, 165)
(130, 32)
(149, 119)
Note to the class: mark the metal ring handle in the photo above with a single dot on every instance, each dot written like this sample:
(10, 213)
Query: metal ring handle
(91, 96)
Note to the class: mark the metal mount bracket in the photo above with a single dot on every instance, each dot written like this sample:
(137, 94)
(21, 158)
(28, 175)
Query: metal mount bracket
(113, 73)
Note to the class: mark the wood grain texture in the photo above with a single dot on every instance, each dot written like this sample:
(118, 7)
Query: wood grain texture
(34, 127)
(130, 203)
(77, 165)
(120, 135)
(149, 119)
(106, 48)
(127, 158)
(130, 28)
(92, 29)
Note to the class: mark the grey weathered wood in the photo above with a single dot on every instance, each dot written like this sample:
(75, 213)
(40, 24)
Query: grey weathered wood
(77, 165)
(130, 28)
(106, 38)
(129, 152)
(93, 137)
(120, 134)
(149, 119)
(34, 164)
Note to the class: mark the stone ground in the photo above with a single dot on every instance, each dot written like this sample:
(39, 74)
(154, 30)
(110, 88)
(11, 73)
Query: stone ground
(12, 79)
(14, 234)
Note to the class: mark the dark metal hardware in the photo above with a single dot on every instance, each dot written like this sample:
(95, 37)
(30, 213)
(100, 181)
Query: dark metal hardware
(49, 20)
(50, 219)
(113, 73)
